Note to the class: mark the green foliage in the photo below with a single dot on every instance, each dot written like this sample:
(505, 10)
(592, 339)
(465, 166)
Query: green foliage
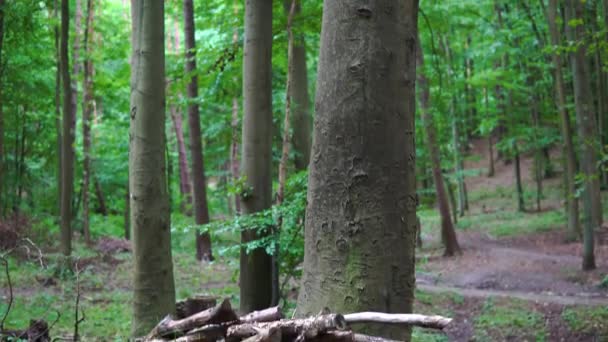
(498, 322)
(589, 320)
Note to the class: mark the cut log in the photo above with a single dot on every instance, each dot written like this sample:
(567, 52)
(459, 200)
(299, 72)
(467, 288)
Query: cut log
(269, 335)
(348, 336)
(170, 328)
(267, 315)
(307, 327)
(432, 322)
(191, 306)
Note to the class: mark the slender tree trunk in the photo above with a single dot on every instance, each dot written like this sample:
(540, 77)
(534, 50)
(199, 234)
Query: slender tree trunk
(361, 190)
(587, 132)
(568, 148)
(520, 190)
(448, 234)
(201, 211)
(154, 289)
(456, 138)
(284, 154)
(58, 113)
(184, 175)
(256, 266)
(453, 205)
(300, 100)
(67, 153)
(538, 154)
(234, 145)
(2, 4)
(102, 208)
(491, 170)
(87, 110)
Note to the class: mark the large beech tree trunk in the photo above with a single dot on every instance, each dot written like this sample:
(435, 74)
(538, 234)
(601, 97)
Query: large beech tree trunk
(154, 289)
(448, 234)
(300, 102)
(588, 136)
(67, 134)
(361, 214)
(201, 211)
(574, 229)
(256, 266)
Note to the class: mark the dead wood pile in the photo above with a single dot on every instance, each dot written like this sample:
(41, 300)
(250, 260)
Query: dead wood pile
(222, 323)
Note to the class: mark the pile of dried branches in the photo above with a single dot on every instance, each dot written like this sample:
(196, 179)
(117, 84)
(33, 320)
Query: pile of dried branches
(222, 323)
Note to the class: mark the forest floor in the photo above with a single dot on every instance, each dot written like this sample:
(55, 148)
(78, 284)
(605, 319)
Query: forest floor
(517, 279)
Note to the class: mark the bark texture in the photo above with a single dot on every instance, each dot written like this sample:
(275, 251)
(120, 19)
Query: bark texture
(566, 127)
(256, 266)
(448, 234)
(154, 290)
(201, 211)
(361, 214)
(67, 143)
(587, 132)
(300, 101)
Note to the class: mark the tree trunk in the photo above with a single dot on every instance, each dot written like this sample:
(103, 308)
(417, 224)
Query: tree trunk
(154, 289)
(184, 175)
(448, 234)
(587, 132)
(201, 211)
(256, 266)
(538, 154)
(284, 154)
(518, 184)
(2, 4)
(569, 154)
(234, 144)
(361, 214)
(456, 138)
(67, 143)
(491, 170)
(302, 122)
(87, 110)
(101, 201)
(58, 113)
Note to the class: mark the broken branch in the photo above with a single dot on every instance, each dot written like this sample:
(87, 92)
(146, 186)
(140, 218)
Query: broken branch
(433, 322)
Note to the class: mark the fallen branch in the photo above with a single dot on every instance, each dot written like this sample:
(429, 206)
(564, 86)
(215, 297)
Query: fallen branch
(433, 322)
(308, 327)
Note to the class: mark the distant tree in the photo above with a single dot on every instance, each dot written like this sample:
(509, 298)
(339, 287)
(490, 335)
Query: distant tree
(87, 111)
(587, 134)
(574, 229)
(448, 234)
(256, 265)
(201, 210)
(300, 102)
(1, 103)
(153, 284)
(67, 143)
(361, 191)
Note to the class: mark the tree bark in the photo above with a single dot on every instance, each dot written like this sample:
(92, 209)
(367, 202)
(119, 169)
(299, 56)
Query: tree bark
(201, 210)
(67, 151)
(490, 142)
(361, 214)
(87, 110)
(448, 234)
(154, 289)
(185, 188)
(234, 123)
(101, 201)
(588, 136)
(302, 121)
(256, 266)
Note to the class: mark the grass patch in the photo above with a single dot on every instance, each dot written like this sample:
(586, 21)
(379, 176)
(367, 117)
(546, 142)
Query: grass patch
(501, 322)
(422, 335)
(588, 320)
(512, 223)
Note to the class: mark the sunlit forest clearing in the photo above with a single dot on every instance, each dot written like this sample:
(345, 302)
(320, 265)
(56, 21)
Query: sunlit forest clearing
(323, 159)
